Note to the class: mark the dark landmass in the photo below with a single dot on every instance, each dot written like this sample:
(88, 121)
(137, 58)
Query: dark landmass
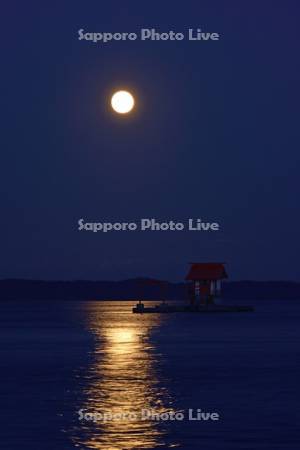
(18, 289)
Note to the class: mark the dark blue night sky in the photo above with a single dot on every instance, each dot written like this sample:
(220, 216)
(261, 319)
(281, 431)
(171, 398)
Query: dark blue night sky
(215, 136)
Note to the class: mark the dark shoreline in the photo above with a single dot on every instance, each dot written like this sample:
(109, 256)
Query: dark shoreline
(20, 289)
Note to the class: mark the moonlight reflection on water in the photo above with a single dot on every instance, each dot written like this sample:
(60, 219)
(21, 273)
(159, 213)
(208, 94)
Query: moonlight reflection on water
(123, 379)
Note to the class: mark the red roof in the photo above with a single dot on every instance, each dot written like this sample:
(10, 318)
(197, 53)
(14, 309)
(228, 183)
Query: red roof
(206, 271)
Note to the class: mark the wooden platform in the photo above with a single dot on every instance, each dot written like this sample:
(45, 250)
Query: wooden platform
(140, 308)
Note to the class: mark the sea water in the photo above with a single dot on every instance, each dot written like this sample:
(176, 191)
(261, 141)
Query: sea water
(64, 365)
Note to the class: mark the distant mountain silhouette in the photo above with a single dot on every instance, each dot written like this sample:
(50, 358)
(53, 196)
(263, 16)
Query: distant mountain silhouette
(144, 288)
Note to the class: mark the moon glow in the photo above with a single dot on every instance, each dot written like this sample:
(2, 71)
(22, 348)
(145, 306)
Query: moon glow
(122, 102)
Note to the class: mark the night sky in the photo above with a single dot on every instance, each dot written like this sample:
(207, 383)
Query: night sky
(215, 136)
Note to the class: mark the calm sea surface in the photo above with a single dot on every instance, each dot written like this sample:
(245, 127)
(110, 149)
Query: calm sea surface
(60, 358)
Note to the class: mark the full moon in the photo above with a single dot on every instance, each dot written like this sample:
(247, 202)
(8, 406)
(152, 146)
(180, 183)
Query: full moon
(122, 102)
